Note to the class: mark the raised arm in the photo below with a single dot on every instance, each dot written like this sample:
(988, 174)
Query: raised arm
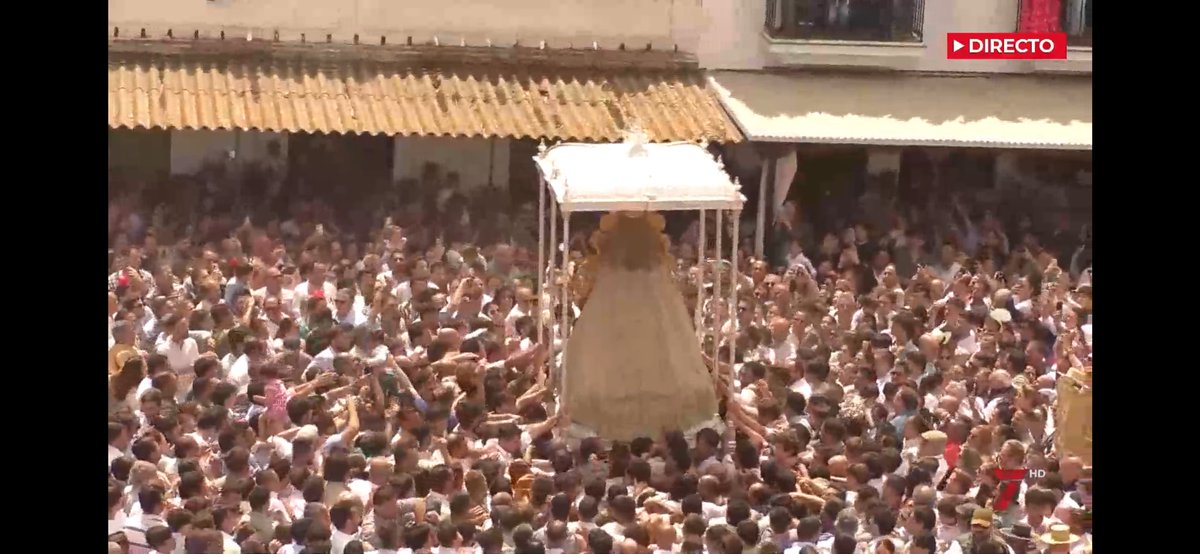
(351, 429)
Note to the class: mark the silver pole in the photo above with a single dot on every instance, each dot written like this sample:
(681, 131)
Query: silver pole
(717, 288)
(553, 249)
(566, 304)
(702, 243)
(760, 228)
(566, 262)
(733, 287)
(541, 267)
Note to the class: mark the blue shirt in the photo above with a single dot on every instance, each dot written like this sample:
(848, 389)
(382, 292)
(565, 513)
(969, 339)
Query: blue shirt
(899, 421)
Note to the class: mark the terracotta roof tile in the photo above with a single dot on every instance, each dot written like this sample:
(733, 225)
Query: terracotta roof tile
(379, 98)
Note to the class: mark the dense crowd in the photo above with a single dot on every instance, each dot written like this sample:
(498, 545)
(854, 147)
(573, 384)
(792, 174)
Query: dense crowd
(308, 380)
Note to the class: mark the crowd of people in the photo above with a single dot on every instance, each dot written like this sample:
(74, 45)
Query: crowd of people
(318, 382)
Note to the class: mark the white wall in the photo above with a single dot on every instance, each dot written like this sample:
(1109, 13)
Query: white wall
(558, 22)
(470, 157)
(731, 36)
(191, 148)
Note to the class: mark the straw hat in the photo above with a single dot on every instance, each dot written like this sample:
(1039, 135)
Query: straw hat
(1001, 315)
(1059, 534)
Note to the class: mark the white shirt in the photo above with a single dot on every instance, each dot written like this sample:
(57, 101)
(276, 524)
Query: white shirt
(339, 540)
(956, 549)
(781, 354)
(803, 387)
(354, 316)
(287, 298)
(510, 320)
(300, 295)
(231, 545)
(615, 530)
(143, 387)
(181, 356)
(323, 360)
(239, 373)
(113, 453)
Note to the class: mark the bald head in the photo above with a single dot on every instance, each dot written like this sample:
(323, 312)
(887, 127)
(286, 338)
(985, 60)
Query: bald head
(838, 466)
(709, 487)
(448, 336)
(380, 468)
(1070, 468)
(1000, 379)
(779, 328)
(924, 495)
(949, 403)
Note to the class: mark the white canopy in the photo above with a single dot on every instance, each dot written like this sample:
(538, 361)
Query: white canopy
(636, 176)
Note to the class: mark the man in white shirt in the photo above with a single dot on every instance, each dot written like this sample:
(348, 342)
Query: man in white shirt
(780, 348)
(118, 441)
(346, 518)
(254, 353)
(151, 500)
(522, 308)
(316, 281)
(340, 342)
(343, 309)
(181, 351)
(274, 288)
(226, 521)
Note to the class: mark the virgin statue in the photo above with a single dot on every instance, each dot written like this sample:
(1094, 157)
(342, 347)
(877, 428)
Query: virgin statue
(633, 363)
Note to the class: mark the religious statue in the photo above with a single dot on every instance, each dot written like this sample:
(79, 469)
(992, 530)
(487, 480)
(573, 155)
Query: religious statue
(633, 365)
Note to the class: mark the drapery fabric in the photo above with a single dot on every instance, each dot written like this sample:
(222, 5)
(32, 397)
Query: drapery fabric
(1041, 16)
(633, 366)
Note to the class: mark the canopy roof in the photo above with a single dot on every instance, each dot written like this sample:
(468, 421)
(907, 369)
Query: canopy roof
(636, 176)
(992, 111)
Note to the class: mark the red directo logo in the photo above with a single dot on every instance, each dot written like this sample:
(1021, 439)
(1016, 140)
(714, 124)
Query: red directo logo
(1010, 484)
(1006, 46)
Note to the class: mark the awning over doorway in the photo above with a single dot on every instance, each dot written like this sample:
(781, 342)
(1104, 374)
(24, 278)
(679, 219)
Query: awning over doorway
(355, 96)
(1009, 111)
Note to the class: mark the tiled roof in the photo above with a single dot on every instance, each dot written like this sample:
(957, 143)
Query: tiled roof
(368, 96)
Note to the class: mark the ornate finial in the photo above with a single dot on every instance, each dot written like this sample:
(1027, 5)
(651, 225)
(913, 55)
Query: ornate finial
(542, 147)
(737, 183)
(637, 139)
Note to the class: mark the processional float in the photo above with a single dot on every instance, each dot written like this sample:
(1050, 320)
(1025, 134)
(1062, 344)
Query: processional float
(632, 364)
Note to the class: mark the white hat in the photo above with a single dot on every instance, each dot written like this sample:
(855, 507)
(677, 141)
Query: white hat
(1001, 315)
(454, 258)
(308, 432)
